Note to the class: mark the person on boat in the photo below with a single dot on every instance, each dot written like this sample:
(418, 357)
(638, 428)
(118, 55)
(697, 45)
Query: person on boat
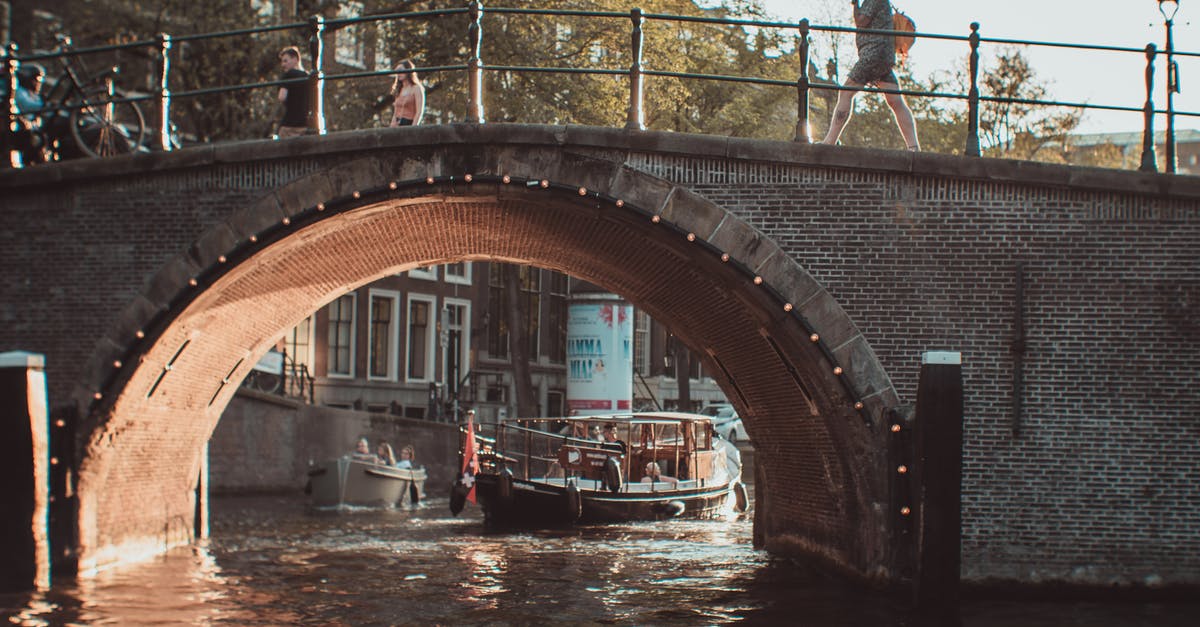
(362, 452)
(406, 457)
(610, 438)
(654, 474)
(385, 454)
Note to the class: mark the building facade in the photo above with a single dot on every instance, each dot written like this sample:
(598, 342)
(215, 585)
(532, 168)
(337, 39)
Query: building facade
(433, 342)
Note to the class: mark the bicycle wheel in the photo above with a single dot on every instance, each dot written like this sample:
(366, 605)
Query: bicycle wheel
(105, 130)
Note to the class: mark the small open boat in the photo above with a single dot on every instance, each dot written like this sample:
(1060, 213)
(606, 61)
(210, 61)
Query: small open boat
(348, 480)
(546, 471)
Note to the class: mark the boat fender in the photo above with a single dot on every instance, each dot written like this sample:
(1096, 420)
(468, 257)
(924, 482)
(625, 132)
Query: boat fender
(414, 494)
(674, 508)
(458, 497)
(612, 474)
(504, 485)
(741, 499)
(574, 501)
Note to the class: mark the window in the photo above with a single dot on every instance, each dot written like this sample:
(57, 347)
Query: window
(420, 338)
(556, 318)
(381, 335)
(298, 344)
(429, 274)
(531, 291)
(351, 48)
(497, 312)
(456, 342)
(341, 337)
(641, 343)
(458, 273)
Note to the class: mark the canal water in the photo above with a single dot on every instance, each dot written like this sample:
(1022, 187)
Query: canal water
(270, 561)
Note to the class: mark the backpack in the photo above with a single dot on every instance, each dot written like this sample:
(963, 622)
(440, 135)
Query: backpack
(903, 23)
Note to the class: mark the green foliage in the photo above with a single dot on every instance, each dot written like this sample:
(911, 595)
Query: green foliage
(1012, 128)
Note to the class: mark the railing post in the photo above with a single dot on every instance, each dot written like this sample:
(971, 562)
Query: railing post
(316, 45)
(1172, 89)
(475, 64)
(8, 139)
(972, 148)
(1149, 161)
(803, 130)
(637, 117)
(164, 91)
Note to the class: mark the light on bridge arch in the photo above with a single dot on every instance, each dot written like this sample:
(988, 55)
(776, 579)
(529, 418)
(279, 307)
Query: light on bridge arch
(507, 179)
(468, 178)
(905, 511)
(758, 280)
(656, 219)
(583, 191)
(837, 370)
(286, 221)
(814, 338)
(691, 237)
(902, 469)
(724, 257)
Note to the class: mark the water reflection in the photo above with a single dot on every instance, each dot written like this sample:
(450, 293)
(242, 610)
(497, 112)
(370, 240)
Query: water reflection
(271, 562)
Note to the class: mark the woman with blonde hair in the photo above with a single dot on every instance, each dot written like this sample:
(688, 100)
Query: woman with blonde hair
(409, 103)
(385, 454)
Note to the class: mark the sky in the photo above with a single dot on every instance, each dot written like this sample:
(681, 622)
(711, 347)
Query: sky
(1088, 76)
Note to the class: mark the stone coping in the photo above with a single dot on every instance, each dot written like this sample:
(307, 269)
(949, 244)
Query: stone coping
(1184, 187)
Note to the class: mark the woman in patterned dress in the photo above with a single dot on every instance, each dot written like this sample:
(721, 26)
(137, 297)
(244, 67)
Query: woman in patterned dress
(876, 60)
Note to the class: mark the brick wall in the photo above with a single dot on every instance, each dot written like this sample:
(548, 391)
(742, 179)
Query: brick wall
(1097, 484)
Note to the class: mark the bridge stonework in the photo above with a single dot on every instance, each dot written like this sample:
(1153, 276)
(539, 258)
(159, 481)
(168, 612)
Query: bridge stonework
(1072, 294)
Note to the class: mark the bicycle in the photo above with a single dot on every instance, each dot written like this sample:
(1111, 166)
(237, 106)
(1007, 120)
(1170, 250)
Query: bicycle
(97, 126)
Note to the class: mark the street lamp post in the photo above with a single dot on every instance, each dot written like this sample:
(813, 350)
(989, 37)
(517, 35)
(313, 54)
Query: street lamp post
(1168, 8)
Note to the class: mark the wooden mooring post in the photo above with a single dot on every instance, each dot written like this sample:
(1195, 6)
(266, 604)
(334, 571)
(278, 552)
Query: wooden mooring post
(939, 435)
(25, 462)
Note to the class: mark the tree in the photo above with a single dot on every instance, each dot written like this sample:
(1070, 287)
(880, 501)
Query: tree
(195, 65)
(1012, 127)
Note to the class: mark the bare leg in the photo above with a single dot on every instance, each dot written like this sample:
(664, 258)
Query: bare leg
(903, 116)
(841, 113)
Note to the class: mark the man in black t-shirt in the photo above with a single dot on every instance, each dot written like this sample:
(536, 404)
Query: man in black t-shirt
(294, 96)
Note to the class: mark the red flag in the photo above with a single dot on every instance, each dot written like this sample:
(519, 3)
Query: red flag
(470, 459)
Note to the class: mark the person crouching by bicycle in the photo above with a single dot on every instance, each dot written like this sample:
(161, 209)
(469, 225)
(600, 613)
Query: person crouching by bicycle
(31, 140)
(294, 96)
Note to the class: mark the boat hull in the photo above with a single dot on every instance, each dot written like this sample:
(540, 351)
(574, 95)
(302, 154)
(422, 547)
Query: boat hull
(538, 503)
(350, 482)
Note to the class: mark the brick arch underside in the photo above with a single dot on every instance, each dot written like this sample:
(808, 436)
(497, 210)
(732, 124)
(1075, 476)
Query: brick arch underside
(816, 458)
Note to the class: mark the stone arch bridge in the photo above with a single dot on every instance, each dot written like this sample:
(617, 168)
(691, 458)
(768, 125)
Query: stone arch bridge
(810, 278)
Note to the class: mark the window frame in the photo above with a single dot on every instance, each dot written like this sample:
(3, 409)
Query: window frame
(393, 347)
(430, 338)
(353, 339)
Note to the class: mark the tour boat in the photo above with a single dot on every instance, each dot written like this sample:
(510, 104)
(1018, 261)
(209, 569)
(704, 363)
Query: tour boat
(548, 471)
(355, 481)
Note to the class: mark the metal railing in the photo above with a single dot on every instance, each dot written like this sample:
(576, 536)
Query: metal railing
(474, 66)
